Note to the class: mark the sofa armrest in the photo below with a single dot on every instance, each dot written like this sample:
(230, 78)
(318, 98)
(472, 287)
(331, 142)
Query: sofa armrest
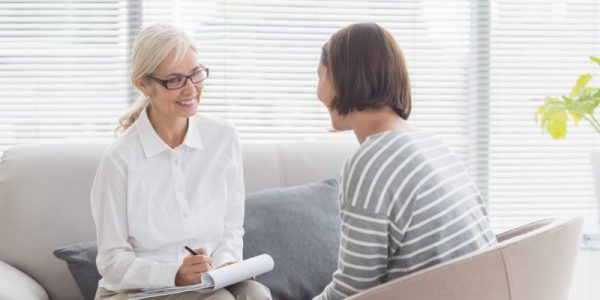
(17, 285)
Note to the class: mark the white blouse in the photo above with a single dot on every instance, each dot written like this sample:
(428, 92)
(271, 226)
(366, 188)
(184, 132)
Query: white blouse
(149, 201)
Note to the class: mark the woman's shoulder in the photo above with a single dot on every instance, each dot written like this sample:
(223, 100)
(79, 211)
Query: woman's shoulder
(125, 144)
(214, 130)
(211, 123)
(390, 148)
(392, 141)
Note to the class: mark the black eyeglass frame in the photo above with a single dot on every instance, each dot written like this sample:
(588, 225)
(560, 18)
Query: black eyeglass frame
(164, 82)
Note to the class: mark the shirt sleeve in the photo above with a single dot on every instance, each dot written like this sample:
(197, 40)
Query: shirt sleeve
(363, 251)
(230, 246)
(118, 264)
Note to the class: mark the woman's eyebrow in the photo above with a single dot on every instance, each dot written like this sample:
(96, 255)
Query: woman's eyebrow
(180, 74)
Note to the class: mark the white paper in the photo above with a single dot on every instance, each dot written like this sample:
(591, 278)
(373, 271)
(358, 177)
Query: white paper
(237, 272)
(218, 278)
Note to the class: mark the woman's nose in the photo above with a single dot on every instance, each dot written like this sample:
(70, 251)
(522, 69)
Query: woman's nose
(189, 87)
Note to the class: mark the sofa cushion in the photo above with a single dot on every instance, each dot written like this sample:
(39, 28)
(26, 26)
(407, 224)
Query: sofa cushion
(15, 284)
(81, 260)
(298, 226)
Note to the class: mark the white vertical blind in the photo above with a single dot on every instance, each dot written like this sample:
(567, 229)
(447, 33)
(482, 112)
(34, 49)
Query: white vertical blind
(475, 67)
(538, 48)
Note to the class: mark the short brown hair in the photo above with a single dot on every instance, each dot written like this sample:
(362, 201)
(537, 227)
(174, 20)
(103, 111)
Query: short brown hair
(367, 70)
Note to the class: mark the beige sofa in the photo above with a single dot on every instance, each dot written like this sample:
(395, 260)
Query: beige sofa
(44, 205)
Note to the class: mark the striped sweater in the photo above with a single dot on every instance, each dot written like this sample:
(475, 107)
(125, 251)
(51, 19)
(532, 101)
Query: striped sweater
(406, 204)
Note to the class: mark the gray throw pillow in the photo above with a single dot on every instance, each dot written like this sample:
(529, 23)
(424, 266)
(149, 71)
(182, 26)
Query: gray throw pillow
(299, 227)
(81, 260)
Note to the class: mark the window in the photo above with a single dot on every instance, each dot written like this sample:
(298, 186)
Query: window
(538, 48)
(63, 70)
(475, 67)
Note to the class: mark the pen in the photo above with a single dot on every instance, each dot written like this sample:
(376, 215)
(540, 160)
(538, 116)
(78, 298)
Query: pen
(192, 252)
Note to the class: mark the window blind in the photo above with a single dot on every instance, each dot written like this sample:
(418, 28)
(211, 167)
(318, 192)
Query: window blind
(264, 55)
(63, 69)
(475, 67)
(538, 48)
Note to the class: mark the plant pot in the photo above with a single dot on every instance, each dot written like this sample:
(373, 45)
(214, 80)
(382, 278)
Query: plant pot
(595, 158)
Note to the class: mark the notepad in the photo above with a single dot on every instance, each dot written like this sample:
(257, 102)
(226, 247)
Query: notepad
(217, 278)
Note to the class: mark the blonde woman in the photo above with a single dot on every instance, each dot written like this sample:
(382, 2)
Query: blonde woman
(172, 179)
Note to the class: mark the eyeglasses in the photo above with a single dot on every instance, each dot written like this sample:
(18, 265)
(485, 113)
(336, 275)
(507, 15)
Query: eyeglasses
(179, 81)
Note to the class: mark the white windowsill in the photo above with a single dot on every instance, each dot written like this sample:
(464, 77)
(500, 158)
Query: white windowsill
(586, 276)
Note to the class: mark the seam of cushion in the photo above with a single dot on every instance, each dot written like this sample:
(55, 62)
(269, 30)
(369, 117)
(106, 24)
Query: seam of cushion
(508, 283)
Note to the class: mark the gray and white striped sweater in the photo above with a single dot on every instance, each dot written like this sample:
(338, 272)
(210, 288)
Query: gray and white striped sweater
(406, 203)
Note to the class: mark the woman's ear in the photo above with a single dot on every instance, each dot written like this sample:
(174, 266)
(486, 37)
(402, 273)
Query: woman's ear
(145, 86)
(142, 84)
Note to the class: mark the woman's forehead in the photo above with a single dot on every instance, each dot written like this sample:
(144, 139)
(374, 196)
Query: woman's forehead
(183, 65)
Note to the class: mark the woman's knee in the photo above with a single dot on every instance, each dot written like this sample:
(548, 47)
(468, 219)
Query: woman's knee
(220, 294)
(250, 290)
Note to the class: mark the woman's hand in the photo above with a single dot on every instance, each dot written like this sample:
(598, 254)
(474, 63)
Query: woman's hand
(192, 267)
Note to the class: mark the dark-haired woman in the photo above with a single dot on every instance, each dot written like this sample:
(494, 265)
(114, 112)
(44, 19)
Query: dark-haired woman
(407, 202)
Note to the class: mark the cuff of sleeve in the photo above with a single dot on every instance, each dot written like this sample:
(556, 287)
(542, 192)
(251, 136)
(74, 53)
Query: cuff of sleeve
(163, 275)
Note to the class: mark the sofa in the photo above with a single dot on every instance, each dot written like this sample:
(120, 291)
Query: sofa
(44, 205)
(291, 213)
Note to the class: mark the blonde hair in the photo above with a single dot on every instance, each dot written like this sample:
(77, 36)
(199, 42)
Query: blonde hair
(152, 45)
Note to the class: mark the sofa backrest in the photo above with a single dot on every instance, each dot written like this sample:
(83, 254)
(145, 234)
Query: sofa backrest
(44, 197)
(533, 262)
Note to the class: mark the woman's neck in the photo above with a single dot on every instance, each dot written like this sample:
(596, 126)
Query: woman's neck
(170, 130)
(369, 122)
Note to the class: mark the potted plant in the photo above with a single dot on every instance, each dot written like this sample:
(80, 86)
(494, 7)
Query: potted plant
(581, 102)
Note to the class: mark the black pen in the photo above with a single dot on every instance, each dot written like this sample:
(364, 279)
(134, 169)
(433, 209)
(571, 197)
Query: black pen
(192, 252)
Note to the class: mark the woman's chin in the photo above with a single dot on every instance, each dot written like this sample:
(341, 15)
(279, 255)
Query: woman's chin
(335, 128)
(339, 126)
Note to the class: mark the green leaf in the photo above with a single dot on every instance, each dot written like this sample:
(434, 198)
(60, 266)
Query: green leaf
(576, 117)
(582, 81)
(585, 103)
(553, 117)
(539, 116)
(557, 125)
(542, 111)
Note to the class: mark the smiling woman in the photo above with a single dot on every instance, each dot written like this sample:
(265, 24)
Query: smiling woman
(171, 179)
(152, 59)
(175, 98)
